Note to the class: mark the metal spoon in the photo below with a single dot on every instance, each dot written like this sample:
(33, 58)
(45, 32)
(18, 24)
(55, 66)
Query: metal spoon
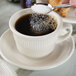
(52, 8)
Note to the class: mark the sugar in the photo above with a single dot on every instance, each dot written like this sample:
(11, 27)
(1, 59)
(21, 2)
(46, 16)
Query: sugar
(40, 9)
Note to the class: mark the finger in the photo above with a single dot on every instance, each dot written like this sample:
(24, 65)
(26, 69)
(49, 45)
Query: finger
(73, 3)
(75, 11)
(65, 1)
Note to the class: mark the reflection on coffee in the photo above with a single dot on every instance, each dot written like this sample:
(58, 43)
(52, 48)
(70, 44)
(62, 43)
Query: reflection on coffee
(35, 24)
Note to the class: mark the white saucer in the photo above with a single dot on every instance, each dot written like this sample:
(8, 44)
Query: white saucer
(9, 52)
(5, 70)
(71, 18)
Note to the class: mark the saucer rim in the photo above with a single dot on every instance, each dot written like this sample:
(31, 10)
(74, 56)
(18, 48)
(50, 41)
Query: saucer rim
(69, 20)
(37, 68)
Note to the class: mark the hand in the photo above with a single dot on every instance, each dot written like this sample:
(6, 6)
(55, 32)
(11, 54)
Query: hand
(72, 2)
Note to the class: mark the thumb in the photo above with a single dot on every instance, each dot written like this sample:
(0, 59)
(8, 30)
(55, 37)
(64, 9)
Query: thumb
(73, 3)
(65, 1)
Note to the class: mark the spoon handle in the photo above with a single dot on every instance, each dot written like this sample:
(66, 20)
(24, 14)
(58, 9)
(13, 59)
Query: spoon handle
(62, 5)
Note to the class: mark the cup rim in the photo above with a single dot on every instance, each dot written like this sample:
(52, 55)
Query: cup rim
(59, 21)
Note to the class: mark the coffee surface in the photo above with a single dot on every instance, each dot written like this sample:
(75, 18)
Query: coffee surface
(35, 24)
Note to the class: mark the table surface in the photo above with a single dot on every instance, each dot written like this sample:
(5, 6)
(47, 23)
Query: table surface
(67, 69)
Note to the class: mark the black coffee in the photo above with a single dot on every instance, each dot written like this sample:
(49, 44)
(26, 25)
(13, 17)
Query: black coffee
(35, 24)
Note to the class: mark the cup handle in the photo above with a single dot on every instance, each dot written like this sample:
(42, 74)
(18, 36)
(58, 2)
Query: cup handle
(65, 32)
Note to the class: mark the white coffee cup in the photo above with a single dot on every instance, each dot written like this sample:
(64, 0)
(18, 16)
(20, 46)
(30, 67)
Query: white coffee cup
(39, 46)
